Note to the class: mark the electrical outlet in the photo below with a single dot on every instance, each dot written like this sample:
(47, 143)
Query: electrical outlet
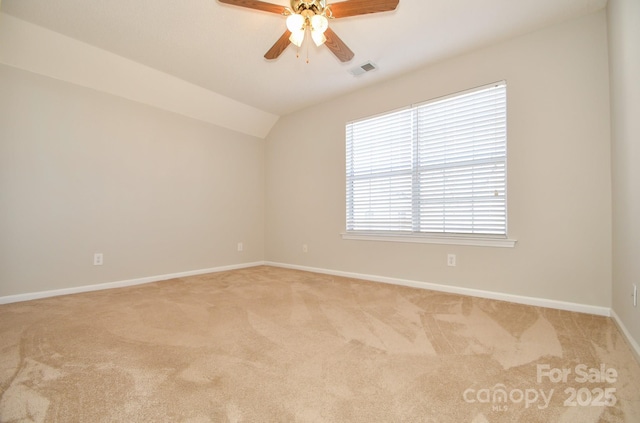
(240, 246)
(98, 259)
(635, 295)
(451, 260)
(305, 248)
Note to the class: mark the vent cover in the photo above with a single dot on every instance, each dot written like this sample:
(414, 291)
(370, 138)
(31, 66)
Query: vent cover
(363, 68)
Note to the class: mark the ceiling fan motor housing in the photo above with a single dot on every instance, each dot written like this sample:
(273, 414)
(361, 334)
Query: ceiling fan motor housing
(315, 6)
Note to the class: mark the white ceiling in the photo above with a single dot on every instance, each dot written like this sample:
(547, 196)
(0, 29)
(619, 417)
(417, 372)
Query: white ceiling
(221, 47)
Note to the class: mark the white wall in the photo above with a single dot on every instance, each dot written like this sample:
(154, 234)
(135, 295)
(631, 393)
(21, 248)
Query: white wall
(559, 173)
(155, 192)
(624, 56)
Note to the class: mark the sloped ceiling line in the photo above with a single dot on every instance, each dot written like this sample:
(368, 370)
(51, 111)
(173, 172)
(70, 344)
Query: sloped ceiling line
(35, 49)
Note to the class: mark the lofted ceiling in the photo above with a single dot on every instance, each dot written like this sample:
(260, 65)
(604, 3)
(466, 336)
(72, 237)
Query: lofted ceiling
(221, 47)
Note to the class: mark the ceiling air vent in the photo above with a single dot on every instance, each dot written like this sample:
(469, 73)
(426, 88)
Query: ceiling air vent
(364, 68)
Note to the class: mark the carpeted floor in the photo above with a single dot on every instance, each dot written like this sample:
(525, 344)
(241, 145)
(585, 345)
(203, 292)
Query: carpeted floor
(275, 345)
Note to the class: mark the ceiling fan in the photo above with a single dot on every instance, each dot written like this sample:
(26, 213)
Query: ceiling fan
(313, 16)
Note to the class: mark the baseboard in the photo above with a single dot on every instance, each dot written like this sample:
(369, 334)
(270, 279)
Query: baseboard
(539, 302)
(633, 345)
(120, 284)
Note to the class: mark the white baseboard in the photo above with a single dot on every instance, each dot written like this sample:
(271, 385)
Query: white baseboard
(633, 345)
(539, 302)
(120, 284)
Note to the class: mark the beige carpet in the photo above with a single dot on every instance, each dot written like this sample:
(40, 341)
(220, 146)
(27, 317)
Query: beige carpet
(275, 345)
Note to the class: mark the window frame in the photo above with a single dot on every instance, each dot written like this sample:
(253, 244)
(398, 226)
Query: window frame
(449, 238)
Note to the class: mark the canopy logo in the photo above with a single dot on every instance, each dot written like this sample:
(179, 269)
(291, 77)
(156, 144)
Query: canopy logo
(499, 397)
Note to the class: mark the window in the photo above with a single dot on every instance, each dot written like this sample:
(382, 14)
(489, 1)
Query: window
(435, 169)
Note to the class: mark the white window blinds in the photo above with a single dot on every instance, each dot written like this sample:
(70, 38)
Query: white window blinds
(438, 167)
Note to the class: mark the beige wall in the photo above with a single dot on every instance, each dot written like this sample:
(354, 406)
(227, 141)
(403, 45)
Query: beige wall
(559, 173)
(84, 172)
(624, 56)
(157, 193)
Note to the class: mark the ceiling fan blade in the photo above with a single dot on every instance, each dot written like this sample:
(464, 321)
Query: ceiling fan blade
(337, 46)
(276, 50)
(348, 8)
(256, 4)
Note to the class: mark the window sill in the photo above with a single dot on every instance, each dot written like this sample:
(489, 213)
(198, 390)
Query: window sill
(449, 239)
